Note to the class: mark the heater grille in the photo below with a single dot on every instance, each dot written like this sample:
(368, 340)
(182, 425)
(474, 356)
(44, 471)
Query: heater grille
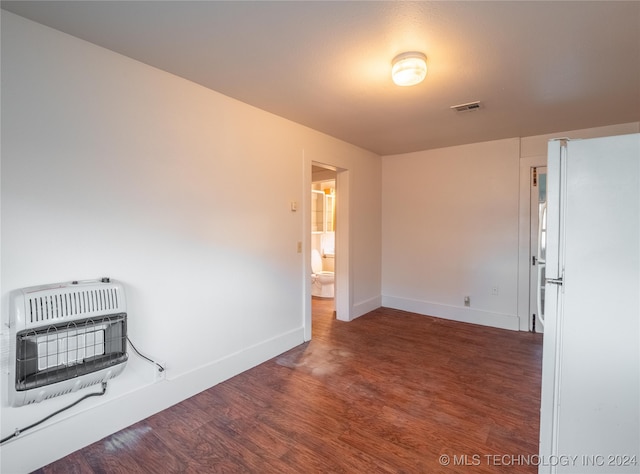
(67, 351)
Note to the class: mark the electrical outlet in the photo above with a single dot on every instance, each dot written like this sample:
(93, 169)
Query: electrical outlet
(494, 290)
(467, 301)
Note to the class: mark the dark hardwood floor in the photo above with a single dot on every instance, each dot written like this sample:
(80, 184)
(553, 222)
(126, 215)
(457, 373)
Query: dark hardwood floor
(389, 392)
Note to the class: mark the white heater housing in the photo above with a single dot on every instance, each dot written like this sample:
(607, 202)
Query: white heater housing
(65, 337)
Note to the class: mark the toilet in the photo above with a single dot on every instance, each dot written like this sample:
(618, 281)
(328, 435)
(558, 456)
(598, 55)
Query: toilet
(322, 283)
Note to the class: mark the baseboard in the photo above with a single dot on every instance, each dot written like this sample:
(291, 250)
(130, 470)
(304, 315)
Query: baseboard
(366, 306)
(454, 313)
(114, 414)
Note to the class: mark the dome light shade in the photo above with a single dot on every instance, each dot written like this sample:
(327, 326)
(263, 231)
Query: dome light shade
(409, 69)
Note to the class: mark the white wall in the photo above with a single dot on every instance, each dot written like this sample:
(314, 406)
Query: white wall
(114, 168)
(450, 230)
(456, 223)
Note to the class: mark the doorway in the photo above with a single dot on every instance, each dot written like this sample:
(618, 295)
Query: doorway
(533, 177)
(341, 260)
(323, 236)
(538, 245)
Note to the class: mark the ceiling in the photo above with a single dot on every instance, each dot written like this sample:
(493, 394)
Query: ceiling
(537, 67)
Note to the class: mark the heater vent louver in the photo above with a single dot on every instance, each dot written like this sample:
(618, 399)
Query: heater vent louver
(71, 304)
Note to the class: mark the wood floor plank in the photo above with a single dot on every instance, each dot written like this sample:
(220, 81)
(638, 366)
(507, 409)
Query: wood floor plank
(390, 392)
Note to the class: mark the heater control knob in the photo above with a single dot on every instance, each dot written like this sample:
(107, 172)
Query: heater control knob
(105, 280)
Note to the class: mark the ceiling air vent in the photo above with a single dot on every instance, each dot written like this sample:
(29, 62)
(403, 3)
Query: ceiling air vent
(466, 107)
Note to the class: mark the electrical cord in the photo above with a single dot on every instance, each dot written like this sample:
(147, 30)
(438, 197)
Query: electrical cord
(96, 394)
(18, 431)
(160, 367)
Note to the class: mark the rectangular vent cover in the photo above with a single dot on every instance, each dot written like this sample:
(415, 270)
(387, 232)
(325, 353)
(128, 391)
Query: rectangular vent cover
(466, 107)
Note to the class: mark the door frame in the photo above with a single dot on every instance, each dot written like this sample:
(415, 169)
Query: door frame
(343, 297)
(524, 239)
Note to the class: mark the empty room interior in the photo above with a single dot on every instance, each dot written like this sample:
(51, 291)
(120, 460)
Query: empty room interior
(306, 264)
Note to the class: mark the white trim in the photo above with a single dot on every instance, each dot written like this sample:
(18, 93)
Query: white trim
(366, 306)
(306, 246)
(343, 286)
(454, 313)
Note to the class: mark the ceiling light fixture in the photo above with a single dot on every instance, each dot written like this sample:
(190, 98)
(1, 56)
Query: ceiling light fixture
(409, 69)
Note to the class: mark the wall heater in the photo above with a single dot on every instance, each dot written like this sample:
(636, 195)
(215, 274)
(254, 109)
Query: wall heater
(65, 337)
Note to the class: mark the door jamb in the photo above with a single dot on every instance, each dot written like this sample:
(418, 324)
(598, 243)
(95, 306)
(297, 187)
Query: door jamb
(524, 238)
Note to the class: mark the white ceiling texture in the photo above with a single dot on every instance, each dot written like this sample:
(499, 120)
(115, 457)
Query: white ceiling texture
(536, 67)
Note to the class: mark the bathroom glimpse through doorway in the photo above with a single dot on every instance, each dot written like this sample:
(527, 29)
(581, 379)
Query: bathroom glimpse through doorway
(322, 256)
(340, 220)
